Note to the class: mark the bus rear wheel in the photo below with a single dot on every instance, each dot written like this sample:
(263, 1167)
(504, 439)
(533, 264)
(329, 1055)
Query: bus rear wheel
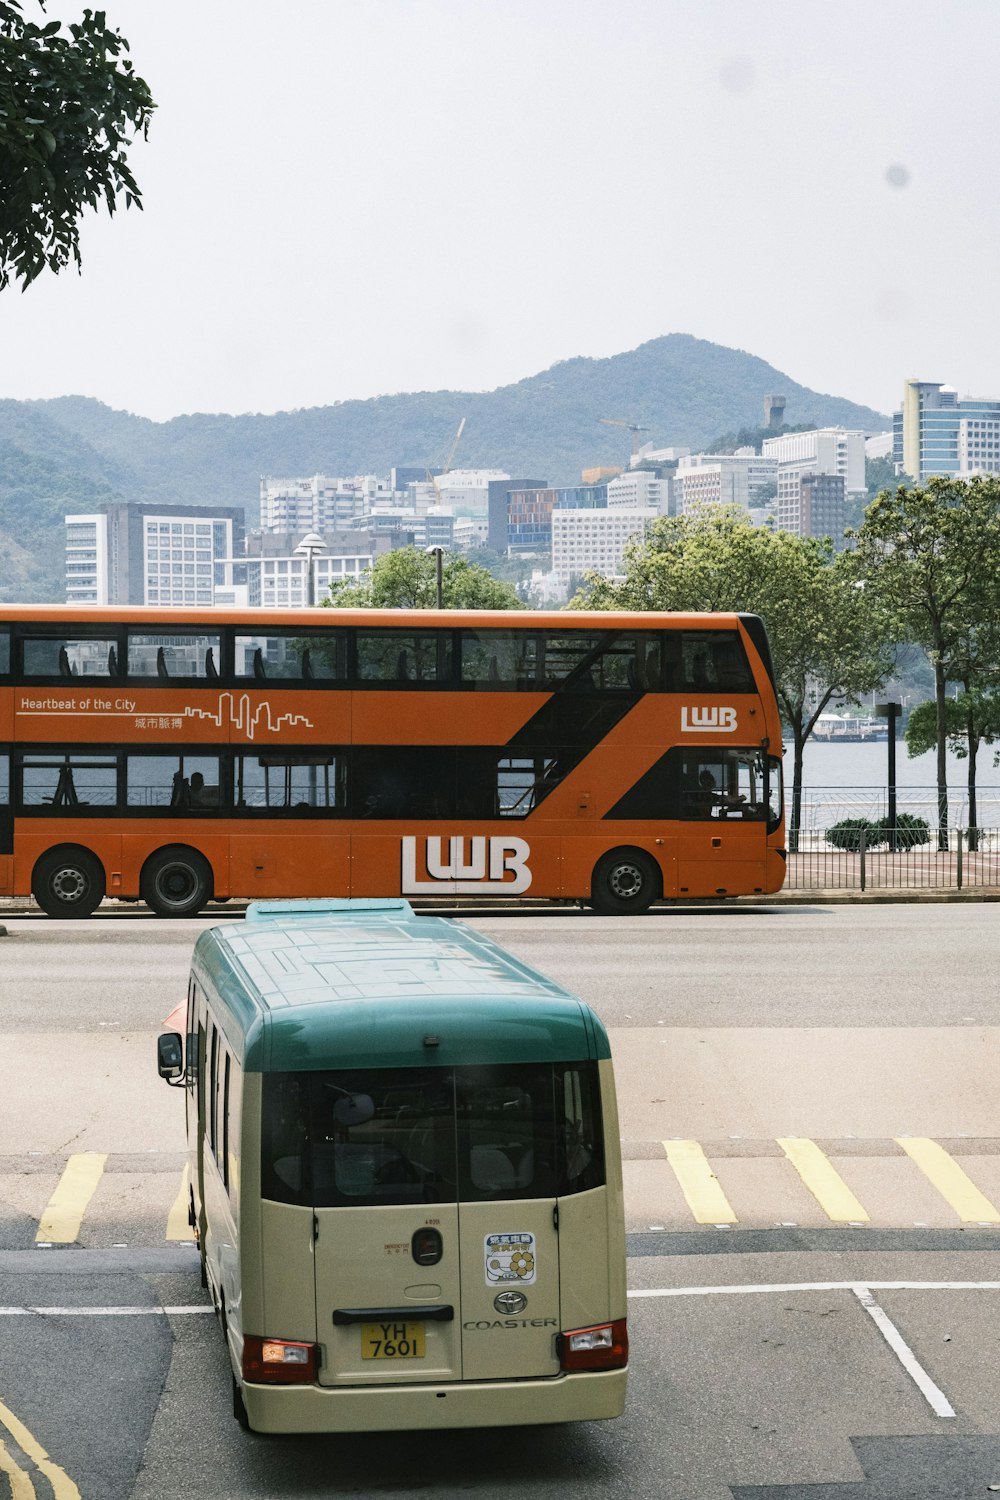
(176, 881)
(626, 881)
(68, 882)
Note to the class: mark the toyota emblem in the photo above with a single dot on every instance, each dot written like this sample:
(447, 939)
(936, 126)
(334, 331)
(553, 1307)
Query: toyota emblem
(510, 1302)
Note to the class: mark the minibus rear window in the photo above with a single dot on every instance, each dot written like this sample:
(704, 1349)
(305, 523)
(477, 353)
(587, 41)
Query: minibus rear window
(403, 1135)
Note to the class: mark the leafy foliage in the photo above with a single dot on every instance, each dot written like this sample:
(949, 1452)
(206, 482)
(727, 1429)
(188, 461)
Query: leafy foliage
(930, 555)
(407, 579)
(827, 640)
(68, 107)
(847, 834)
(910, 833)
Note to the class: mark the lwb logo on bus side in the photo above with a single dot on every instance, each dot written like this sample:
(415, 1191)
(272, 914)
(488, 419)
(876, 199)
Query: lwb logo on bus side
(467, 875)
(696, 720)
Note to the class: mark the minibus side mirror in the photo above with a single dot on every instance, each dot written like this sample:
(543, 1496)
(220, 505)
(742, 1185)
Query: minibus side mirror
(170, 1056)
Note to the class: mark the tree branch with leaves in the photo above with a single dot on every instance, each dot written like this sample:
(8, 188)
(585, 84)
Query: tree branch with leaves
(70, 104)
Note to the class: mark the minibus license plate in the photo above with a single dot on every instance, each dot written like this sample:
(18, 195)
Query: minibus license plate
(392, 1341)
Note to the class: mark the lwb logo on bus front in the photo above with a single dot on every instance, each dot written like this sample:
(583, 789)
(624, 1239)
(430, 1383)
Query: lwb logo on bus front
(697, 720)
(463, 870)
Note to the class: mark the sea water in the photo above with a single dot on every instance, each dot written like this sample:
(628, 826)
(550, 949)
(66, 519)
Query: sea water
(851, 781)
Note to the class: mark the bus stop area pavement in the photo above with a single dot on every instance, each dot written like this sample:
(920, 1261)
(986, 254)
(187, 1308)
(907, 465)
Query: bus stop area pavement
(800, 1374)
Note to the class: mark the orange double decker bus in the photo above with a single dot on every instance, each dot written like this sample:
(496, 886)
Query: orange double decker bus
(180, 756)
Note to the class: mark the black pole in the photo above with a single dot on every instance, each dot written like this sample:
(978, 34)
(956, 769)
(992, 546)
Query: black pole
(890, 712)
(893, 711)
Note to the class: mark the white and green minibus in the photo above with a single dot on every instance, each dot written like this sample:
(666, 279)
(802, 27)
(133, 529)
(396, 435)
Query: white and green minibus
(405, 1174)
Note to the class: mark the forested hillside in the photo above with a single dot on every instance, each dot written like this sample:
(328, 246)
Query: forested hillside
(70, 453)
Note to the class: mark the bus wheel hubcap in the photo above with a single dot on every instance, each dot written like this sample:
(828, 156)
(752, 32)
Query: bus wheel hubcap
(625, 881)
(69, 884)
(176, 883)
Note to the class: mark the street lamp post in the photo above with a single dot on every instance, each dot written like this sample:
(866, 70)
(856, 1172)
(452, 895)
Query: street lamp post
(891, 711)
(438, 553)
(310, 545)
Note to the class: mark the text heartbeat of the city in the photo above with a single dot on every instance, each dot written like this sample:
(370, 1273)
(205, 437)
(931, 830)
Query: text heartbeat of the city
(245, 718)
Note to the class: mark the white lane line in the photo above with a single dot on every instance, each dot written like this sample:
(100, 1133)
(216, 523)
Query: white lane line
(932, 1394)
(101, 1312)
(817, 1286)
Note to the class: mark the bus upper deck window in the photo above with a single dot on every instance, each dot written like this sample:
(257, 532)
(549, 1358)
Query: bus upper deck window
(395, 658)
(281, 656)
(64, 656)
(712, 661)
(499, 659)
(4, 651)
(174, 656)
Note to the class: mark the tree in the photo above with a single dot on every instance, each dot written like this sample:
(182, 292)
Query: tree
(826, 641)
(407, 579)
(68, 107)
(931, 556)
(972, 718)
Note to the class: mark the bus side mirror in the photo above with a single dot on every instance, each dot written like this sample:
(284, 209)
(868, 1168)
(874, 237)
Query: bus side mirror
(170, 1055)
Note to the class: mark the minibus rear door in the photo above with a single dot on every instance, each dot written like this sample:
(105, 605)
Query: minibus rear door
(388, 1293)
(509, 1224)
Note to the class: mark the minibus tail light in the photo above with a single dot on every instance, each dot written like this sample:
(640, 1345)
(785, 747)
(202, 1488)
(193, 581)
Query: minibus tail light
(603, 1347)
(278, 1361)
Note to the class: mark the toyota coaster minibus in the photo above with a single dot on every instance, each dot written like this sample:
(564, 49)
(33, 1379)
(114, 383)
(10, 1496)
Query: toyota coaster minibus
(405, 1174)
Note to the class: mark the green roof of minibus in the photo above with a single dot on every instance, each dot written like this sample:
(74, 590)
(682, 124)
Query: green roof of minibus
(302, 985)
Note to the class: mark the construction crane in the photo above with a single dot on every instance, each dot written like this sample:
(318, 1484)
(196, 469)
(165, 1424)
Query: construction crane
(449, 459)
(633, 428)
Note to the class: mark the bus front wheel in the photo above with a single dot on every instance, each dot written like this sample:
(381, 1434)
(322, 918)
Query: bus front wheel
(176, 882)
(68, 882)
(626, 881)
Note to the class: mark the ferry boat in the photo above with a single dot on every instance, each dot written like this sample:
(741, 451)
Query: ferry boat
(849, 729)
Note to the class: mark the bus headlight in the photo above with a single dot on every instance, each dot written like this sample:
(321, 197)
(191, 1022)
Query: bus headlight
(278, 1361)
(603, 1347)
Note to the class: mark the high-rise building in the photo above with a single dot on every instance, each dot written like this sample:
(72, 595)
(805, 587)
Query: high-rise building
(129, 553)
(594, 541)
(824, 450)
(812, 504)
(722, 478)
(936, 433)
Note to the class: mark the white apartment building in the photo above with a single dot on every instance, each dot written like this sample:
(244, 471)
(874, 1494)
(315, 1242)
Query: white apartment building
(86, 559)
(827, 450)
(638, 489)
(467, 491)
(319, 503)
(722, 479)
(979, 445)
(283, 582)
(594, 541)
(148, 554)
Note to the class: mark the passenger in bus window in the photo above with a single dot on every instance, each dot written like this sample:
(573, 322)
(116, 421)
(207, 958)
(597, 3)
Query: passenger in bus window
(202, 795)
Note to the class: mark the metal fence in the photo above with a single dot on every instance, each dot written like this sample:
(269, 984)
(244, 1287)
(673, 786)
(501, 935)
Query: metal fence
(971, 861)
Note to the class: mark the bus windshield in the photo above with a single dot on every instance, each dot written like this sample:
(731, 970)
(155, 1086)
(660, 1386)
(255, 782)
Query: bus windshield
(436, 1135)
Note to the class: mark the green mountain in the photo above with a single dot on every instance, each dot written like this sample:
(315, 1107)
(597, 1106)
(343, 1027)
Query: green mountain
(69, 454)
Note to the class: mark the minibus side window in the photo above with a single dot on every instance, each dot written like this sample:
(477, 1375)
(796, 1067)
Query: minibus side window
(581, 1133)
(213, 1091)
(224, 1163)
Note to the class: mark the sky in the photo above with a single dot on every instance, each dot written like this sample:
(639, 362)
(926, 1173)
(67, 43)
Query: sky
(347, 198)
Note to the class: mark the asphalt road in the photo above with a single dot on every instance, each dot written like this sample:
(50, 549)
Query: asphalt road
(761, 1366)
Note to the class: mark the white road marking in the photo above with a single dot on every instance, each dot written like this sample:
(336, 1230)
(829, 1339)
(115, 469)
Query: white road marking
(102, 1312)
(932, 1394)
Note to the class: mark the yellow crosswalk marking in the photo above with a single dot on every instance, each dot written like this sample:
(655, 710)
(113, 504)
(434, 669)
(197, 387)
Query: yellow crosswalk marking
(823, 1180)
(60, 1223)
(944, 1173)
(178, 1227)
(698, 1183)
